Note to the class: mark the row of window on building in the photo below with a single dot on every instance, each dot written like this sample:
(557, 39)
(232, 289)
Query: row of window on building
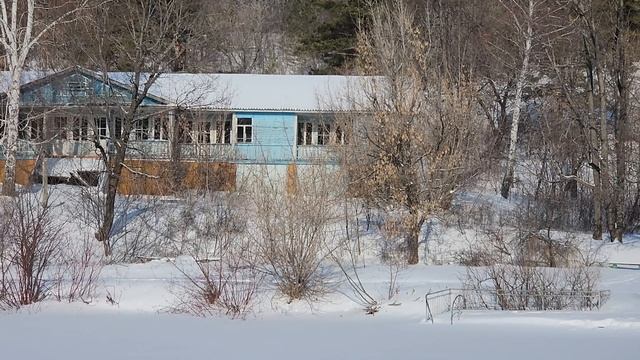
(210, 131)
(319, 133)
(88, 128)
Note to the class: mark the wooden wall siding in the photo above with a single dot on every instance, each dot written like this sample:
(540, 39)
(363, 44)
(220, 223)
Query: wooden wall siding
(166, 178)
(56, 92)
(273, 138)
(292, 178)
(24, 170)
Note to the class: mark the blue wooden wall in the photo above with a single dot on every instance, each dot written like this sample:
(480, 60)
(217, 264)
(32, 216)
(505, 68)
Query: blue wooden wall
(56, 92)
(274, 137)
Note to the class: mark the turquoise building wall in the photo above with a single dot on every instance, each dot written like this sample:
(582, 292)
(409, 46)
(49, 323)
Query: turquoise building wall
(274, 138)
(56, 93)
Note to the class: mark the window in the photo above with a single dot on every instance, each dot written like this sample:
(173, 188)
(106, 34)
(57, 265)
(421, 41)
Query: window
(185, 132)
(85, 129)
(151, 129)
(23, 127)
(305, 133)
(80, 129)
(77, 88)
(157, 129)
(118, 128)
(101, 124)
(324, 133)
(75, 130)
(142, 129)
(36, 129)
(160, 128)
(59, 127)
(223, 131)
(204, 132)
(341, 137)
(244, 130)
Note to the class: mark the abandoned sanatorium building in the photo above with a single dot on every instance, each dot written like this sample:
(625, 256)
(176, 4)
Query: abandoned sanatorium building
(217, 126)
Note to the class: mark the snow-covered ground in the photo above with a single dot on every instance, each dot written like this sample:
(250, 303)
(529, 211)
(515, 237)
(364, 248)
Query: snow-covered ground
(140, 325)
(331, 328)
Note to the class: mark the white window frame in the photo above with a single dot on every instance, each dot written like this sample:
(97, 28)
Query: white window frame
(60, 126)
(79, 128)
(102, 127)
(241, 129)
(324, 136)
(222, 127)
(307, 136)
(143, 130)
(203, 132)
(159, 128)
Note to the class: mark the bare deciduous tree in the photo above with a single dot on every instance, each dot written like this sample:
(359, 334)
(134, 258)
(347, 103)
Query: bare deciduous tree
(419, 144)
(22, 26)
(142, 36)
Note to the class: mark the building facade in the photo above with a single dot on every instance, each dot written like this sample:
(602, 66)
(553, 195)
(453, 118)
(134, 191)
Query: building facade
(217, 128)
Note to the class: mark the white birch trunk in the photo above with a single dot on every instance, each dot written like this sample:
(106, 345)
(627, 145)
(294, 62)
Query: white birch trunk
(11, 133)
(17, 42)
(17, 38)
(507, 181)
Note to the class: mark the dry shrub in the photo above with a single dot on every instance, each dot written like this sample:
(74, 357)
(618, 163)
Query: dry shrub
(492, 247)
(531, 271)
(391, 243)
(292, 236)
(513, 240)
(199, 225)
(228, 285)
(393, 252)
(520, 287)
(77, 272)
(222, 276)
(136, 217)
(29, 244)
(351, 250)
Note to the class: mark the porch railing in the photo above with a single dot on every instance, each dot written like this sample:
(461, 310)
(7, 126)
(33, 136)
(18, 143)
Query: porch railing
(315, 153)
(25, 150)
(221, 152)
(149, 149)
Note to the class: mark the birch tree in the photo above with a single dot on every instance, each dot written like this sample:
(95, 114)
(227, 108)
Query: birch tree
(624, 51)
(523, 15)
(23, 23)
(596, 79)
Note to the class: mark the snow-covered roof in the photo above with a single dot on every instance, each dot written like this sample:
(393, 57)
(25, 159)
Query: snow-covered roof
(65, 167)
(27, 77)
(252, 92)
(242, 92)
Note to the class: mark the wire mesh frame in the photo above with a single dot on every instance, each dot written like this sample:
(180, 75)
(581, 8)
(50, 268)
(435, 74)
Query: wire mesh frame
(442, 301)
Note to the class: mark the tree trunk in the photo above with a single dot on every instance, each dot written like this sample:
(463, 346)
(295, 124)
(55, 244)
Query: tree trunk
(621, 122)
(413, 238)
(605, 175)
(507, 181)
(115, 166)
(44, 171)
(11, 133)
(595, 162)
